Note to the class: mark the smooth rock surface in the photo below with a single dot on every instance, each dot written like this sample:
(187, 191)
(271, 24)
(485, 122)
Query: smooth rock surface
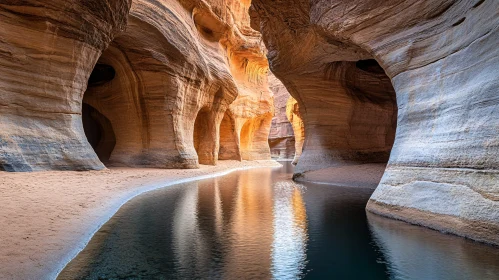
(281, 137)
(294, 117)
(47, 52)
(443, 61)
(161, 76)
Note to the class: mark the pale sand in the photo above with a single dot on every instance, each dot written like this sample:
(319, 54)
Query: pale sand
(362, 175)
(47, 218)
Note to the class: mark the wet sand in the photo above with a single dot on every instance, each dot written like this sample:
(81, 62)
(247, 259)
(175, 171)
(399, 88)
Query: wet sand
(47, 218)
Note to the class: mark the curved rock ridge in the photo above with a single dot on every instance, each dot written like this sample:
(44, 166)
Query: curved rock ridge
(170, 84)
(441, 58)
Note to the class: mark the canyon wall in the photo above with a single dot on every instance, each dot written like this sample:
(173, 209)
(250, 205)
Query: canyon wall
(441, 58)
(170, 84)
(281, 138)
(294, 117)
(48, 50)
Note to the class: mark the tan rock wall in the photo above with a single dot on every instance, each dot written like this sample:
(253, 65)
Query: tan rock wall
(294, 117)
(281, 137)
(158, 93)
(48, 49)
(442, 59)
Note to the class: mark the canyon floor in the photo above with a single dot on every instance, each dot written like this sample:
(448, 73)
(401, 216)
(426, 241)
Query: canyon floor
(361, 175)
(48, 217)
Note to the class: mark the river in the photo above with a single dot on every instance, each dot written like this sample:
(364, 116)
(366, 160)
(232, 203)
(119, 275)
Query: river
(259, 224)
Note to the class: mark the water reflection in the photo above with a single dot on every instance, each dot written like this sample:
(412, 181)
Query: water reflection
(258, 224)
(240, 227)
(290, 231)
(250, 225)
(417, 253)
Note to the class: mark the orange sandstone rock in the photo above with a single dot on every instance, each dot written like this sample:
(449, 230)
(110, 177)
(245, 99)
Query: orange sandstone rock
(294, 117)
(161, 77)
(281, 138)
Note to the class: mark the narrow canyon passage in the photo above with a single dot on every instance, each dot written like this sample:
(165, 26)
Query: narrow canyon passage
(350, 120)
(259, 224)
(348, 112)
(379, 109)
(439, 58)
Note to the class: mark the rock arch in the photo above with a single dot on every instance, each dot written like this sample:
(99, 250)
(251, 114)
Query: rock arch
(155, 99)
(442, 61)
(43, 79)
(99, 132)
(229, 139)
(254, 138)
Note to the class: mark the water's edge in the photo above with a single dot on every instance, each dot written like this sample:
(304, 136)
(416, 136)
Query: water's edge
(144, 189)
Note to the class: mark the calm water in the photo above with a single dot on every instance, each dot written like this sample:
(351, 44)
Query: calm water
(258, 224)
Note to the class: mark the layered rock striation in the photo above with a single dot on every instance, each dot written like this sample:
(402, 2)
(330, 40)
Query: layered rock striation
(155, 83)
(48, 50)
(281, 138)
(339, 61)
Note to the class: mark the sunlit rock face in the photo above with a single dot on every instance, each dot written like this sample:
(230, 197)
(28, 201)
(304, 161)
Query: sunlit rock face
(281, 138)
(48, 50)
(346, 100)
(161, 78)
(294, 117)
(171, 88)
(180, 65)
(253, 108)
(442, 60)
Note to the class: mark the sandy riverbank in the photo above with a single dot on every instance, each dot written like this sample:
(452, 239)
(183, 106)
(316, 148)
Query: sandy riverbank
(363, 175)
(48, 217)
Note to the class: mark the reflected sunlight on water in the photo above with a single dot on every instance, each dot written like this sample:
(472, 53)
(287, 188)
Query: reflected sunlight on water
(290, 231)
(259, 224)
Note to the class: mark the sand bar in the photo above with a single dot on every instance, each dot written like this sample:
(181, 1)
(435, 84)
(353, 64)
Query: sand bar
(47, 218)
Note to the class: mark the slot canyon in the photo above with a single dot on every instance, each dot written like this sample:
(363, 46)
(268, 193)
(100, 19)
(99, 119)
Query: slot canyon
(101, 101)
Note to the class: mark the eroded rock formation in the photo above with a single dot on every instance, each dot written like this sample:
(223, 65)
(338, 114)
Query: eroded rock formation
(294, 117)
(48, 50)
(281, 138)
(161, 77)
(181, 64)
(441, 58)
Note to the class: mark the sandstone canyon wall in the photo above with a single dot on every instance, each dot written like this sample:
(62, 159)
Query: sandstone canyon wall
(294, 117)
(48, 50)
(287, 133)
(281, 138)
(170, 84)
(340, 59)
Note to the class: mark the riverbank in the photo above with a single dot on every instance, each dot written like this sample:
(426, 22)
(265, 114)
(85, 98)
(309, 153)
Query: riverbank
(47, 218)
(361, 176)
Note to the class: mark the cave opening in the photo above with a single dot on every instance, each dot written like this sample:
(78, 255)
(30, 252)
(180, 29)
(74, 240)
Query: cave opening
(202, 139)
(97, 127)
(101, 74)
(229, 148)
(99, 132)
(254, 137)
(246, 139)
(350, 125)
